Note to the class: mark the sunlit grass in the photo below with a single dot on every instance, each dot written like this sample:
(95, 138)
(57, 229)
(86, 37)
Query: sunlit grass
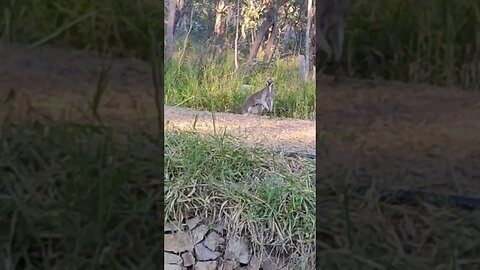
(434, 42)
(202, 83)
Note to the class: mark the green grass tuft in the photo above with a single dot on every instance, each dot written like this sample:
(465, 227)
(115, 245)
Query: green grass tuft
(74, 197)
(213, 85)
(252, 191)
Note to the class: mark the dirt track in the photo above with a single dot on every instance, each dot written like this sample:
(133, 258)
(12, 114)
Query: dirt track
(281, 134)
(401, 135)
(56, 80)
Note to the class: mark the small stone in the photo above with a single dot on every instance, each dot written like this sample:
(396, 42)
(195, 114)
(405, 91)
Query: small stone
(173, 267)
(188, 259)
(273, 263)
(239, 249)
(219, 229)
(170, 227)
(229, 265)
(212, 265)
(199, 233)
(205, 254)
(193, 222)
(178, 242)
(170, 258)
(254, 263)
(213, 241)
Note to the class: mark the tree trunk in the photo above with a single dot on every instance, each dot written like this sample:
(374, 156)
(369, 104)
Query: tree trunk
(270, 19)
(169, 33)
(313, 43)
(219, 9)
(302, 67)
(180, 11)
(273, 34)
(237, 18)
(243, 37)
(307, 37)
(262, 31)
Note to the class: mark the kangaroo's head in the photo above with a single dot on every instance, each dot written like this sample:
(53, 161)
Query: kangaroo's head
(270, 84)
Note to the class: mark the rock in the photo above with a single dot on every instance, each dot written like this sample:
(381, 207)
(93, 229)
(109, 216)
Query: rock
(170, 258)
(170, 227)
(274, 263)
(205, 265)
(199, 233)
(229, 265)
(193, 222)
(205, 254)
(254, 263)
(213, 241)
(188, 259)
(178, 242)
(173, 267)
(220, 229)
(239, 249)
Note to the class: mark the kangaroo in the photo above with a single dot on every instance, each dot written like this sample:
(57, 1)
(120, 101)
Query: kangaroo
(331, 20)
(263, 99)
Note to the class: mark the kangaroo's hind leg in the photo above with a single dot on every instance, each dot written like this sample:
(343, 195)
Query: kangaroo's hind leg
(264, 104)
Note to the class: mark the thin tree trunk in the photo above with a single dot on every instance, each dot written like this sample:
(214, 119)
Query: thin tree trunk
(314, 44)
(244, 35)
(219, 8)
(185, 41)
(169, 34)
(180, 11)
(262, 31)
(301, 67)
(236, 34)
(307, 37)
(268, 48)
(272, 36)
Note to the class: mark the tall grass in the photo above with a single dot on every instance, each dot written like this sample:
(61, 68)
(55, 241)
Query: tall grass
(431, 41)
(77, 197)
(271, 196)
(124, 27)
(200, 81)
(121, 27)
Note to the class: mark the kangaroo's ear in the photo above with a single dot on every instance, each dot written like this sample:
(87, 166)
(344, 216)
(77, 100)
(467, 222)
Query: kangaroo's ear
(270, 81)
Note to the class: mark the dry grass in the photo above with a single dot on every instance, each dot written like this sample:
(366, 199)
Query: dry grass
(363, 232)
(264, 196)
(80, 193)
(397, 136)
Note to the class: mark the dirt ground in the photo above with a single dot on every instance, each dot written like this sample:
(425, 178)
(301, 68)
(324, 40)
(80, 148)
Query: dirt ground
(400, 135)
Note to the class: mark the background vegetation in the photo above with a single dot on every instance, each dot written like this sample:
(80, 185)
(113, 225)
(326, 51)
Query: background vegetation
(431, 41)
(435, 42)
(214, 86)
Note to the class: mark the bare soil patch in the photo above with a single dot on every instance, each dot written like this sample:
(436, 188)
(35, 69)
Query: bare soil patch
(404, 135)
